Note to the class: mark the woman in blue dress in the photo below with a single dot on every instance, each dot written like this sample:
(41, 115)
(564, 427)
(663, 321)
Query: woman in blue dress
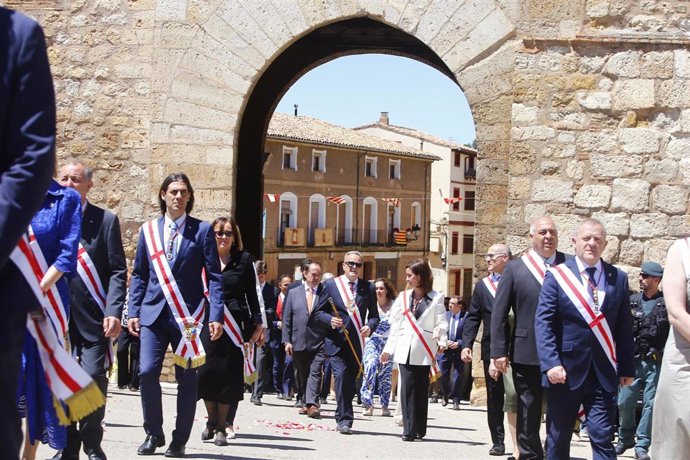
(57, 227)
(377, 375)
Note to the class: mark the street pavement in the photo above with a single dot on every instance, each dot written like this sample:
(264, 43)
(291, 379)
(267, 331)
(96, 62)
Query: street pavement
(265, 432)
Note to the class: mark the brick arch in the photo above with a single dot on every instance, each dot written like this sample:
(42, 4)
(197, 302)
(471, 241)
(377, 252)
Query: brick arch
(480, 63)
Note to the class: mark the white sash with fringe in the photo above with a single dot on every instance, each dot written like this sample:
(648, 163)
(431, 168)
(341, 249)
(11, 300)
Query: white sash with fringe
(580, 297)
(342, 283)
(89, 275)
(190, 352)
(490, 285)
(535, 264)
(72, 388)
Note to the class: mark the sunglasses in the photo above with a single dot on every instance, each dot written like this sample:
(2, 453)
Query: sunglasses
(352, 264)
(493, 256)
(224, 234)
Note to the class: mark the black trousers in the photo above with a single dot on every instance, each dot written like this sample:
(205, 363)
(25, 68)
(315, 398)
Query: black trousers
(495, 396)
(344, 368)
(527, 379)
(14, 332)
(89, 432)
(413, 396)
(127, 359)
(309, 369)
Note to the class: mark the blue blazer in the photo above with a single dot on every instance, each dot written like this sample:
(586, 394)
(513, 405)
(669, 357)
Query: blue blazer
(458, 329)
(299, 326)
(368, 310)
(197, 250)
(564, 337)
(27, 127)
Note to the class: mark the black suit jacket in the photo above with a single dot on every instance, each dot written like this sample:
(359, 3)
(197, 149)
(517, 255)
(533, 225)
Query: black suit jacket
(366, 302)
(100, 236)
(481, 308)
(299, 326)
(518, 290)
(270, 295)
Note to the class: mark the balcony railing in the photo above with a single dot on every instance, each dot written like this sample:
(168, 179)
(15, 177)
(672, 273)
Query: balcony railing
(329, 237)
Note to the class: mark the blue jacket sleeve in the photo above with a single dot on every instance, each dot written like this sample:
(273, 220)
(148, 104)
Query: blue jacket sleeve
(139, 279)
(545, 323)
(213, 277)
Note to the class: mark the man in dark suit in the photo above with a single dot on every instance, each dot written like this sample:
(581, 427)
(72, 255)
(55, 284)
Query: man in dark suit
(584, 329)
(480, 312)
(519, 290)
(283, 370)
(264, 353)
(303, 338)
(97, 296)
(449, 361)
(27, 163)
(354, 300)
(187, 245)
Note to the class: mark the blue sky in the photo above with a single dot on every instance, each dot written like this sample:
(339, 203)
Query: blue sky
(353, 90)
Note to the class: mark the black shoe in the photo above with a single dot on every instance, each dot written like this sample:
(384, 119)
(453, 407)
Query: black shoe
(175, 450)
(420, 436)
(433, 400)
(444, 402)
(323, 401)
(343, 429)
(407, 438)
(95, 454)
(208, 432)
(621, 447)
(456, 406)
(257, 402)
(150, 444)
(299, 404)
(280, 396)
(119, 387)
(641, 454)
(60, 455)
(497, 449)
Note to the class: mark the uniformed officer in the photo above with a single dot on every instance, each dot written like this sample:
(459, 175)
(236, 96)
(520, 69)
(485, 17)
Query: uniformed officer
(650, 330)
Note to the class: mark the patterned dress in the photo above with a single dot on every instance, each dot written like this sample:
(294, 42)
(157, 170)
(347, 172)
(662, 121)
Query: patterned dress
(57, 226)
(377, 376)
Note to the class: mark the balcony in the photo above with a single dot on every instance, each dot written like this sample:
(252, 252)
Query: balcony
(296, 237)
(470, 173)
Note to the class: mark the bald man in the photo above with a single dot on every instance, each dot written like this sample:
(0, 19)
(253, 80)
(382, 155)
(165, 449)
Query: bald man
(519, 291)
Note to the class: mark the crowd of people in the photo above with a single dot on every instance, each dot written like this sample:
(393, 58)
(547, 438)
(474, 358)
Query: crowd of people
(561, 333)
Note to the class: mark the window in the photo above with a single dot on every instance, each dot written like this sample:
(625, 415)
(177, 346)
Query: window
(394, 169)
(466, 284)
(455, 288)
(469, 200)
(370, 166)
(287, 213)
(318, 161)
(456, 194)
(317, 214)
(416, 214)
(454, 242)
(470, 167)
(456, 159)
(290, 158)
(344, 219)
(369, 220)
(393, 219)
(468, 244)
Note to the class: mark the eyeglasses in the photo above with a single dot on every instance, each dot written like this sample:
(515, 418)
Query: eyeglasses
(493, 256)
(645, 276)
(224, 234)
(352, 264)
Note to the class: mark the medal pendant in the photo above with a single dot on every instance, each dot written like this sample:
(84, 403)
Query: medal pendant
(169, 257)
(350, 305)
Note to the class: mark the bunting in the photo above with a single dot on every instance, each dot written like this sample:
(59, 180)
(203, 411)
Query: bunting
(454, 200)
(272, 197)
(336, 199)
(394, 201)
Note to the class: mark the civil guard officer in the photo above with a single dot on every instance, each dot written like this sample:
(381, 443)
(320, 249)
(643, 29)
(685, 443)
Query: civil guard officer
(650, 330)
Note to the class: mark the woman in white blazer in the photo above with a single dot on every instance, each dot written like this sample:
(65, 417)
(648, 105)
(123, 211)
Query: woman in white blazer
(418, 329)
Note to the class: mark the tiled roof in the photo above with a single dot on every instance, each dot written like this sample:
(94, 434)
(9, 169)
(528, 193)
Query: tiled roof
(419, 135)
(308, 129)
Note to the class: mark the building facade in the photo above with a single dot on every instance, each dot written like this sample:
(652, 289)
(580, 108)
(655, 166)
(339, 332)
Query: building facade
(452, 215)
(329, 190)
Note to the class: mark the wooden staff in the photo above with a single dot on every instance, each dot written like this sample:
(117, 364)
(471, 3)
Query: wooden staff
(347, 337)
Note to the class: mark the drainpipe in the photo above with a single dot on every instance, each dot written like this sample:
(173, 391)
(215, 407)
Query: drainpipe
(358, 236)
(427, 224)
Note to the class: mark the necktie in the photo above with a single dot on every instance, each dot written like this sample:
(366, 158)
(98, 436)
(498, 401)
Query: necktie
(592, 286)
(353, 288)
(310, 299)
(171, 250)
(451, 330)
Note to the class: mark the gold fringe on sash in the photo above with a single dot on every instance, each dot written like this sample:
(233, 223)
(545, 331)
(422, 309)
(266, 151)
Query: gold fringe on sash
(189, 363)
(80, 404)
(250, 379)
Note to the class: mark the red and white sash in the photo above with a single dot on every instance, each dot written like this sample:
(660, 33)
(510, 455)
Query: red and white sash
(233, 330)
(190, 352)
(55, 309)
(70, 385)
(580, 297)
(433, 371)
(342, 283)
(490, 285)
(89, 275)
(535, 264)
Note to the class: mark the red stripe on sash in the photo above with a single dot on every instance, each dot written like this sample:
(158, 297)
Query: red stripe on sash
(596, 319)
(534, 264)
(64, 376)
(157, 258)
(87, 270)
